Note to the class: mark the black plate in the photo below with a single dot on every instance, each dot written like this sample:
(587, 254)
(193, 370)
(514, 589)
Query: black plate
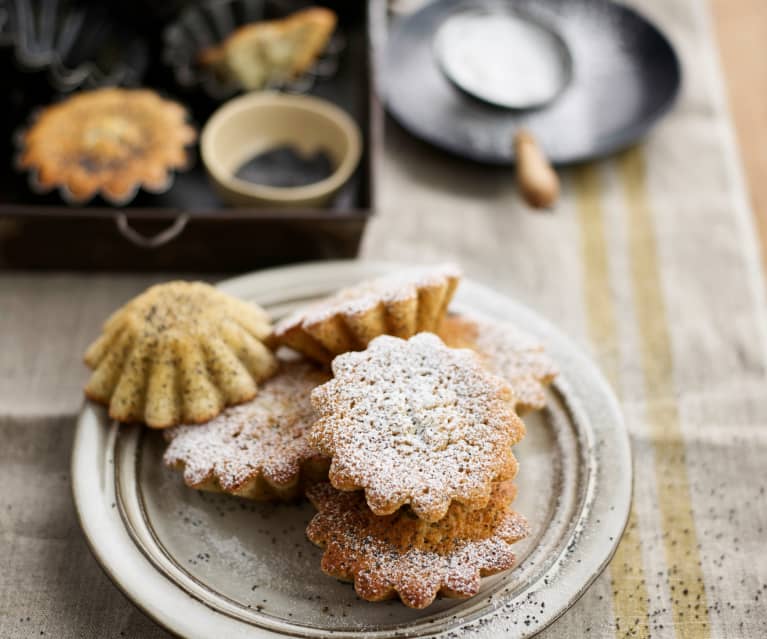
(626, 75)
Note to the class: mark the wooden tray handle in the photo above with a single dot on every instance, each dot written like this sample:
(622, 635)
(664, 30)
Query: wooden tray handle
(154, 241)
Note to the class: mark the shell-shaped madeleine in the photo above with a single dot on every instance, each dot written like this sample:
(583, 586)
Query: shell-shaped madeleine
(180, 352)
(401, 304)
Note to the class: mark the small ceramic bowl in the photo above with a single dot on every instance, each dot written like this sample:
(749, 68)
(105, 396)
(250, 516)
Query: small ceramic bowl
(259, 122)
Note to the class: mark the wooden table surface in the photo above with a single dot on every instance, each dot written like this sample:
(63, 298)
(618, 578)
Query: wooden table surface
(741, 27)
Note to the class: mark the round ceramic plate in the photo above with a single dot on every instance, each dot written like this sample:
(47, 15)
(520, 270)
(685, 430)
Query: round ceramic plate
(205, 565)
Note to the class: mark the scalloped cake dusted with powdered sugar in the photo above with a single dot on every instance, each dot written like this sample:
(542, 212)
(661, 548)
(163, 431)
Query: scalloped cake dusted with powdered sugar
(516, 356)
(402, 555)
(401, 304)
(260, 449)
(415, 422)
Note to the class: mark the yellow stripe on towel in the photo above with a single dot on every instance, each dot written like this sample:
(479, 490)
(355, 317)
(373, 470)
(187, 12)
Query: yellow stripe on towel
(685, 576)
(626, 569)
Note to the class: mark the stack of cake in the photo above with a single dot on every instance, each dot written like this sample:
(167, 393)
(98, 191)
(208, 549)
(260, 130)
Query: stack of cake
(395, 419)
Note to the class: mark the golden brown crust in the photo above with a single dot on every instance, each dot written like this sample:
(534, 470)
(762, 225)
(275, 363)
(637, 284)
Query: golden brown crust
(108, 141)
(415, 422)
(260, 449)
(509, 352)
(179, 353)
(402, 555)
(262, 52)
(401, 304)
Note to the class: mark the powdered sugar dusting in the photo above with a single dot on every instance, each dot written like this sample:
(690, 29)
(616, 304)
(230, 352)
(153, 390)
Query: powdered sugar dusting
(402, 554)
(355, 300)
(264, 438)
(415, 422)
(515, 355)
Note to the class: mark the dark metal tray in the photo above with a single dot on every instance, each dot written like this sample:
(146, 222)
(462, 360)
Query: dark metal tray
(189, 227)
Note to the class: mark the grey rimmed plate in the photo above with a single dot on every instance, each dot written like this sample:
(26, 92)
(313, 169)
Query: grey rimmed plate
(205, 565)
